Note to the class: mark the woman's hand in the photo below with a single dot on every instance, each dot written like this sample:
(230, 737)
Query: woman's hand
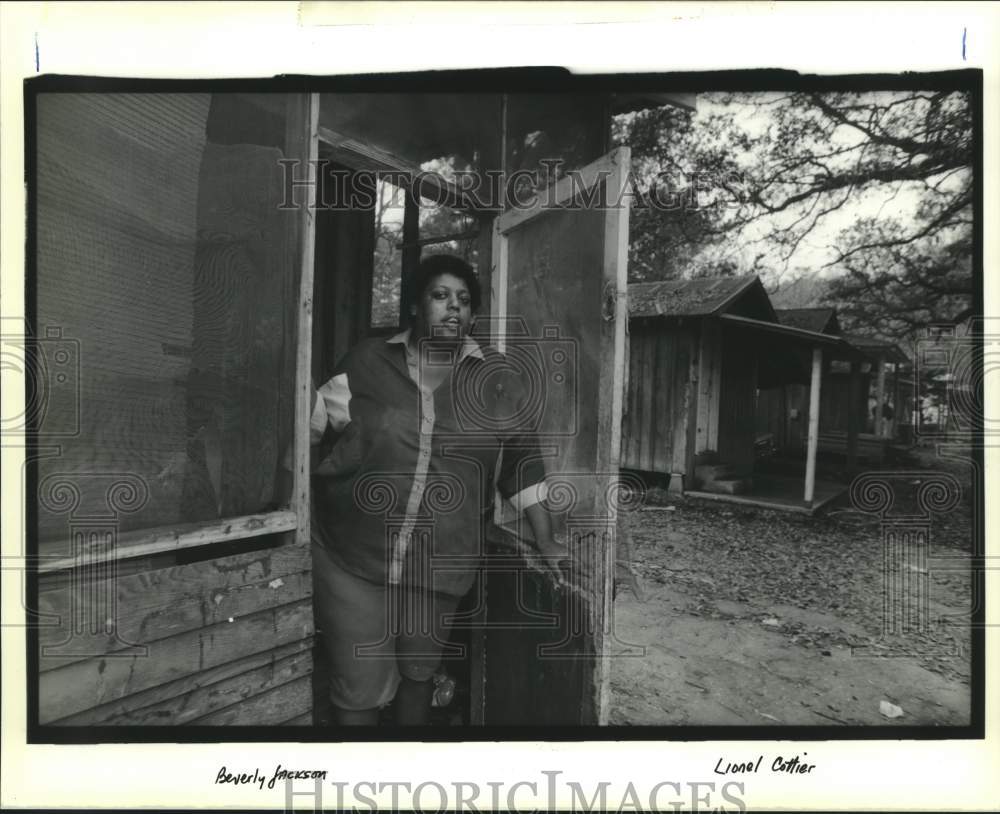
(552, 548)
(554, 554)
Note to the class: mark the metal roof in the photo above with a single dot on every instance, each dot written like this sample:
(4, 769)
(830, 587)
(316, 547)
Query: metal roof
(701, 297)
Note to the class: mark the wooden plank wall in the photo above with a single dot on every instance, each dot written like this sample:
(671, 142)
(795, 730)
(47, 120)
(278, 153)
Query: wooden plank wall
(659, 397)
(709, 381)
(227, 641)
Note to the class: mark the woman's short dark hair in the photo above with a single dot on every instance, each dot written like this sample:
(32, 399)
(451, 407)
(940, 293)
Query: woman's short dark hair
(436, 265)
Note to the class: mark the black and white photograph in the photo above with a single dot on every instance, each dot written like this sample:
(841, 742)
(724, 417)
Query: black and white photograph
(503, 404)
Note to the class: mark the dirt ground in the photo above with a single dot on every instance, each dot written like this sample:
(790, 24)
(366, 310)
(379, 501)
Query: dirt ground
(758, 617)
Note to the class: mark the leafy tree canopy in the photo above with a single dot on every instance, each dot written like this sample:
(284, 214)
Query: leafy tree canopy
(871, 193)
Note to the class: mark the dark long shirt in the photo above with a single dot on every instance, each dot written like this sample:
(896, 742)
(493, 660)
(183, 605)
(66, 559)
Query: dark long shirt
(408, 476)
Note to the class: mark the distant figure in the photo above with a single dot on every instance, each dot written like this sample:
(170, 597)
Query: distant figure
(887, 415)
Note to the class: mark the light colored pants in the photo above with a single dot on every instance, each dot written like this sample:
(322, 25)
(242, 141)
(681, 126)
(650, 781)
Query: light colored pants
(374, 633)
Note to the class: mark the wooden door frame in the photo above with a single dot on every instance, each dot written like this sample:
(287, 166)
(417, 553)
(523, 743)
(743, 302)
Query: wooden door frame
(307, 125)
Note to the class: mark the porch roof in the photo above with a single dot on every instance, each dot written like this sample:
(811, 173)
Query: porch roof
(798, 335)
(872, 347)
(820, 320)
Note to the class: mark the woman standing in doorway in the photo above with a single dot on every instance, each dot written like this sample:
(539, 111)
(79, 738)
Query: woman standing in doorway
(414, 433)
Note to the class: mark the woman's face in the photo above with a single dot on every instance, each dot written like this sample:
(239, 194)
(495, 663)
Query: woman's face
(444, 309)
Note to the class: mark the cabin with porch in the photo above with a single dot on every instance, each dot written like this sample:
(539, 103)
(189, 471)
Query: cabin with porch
(198, 260)
(699, 352)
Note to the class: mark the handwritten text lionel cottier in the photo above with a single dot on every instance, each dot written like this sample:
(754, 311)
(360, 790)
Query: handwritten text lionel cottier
(793, 765)
(258, 779)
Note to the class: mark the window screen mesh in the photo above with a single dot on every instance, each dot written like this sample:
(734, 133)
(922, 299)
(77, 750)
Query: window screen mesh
(166, 269)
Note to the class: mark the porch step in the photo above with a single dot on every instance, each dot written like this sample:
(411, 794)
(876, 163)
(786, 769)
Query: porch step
(706, 473)
(728, 486)
(707, 456)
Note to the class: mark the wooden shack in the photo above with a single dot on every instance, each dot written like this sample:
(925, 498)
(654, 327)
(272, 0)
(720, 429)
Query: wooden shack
(700, 350)
(192, 271)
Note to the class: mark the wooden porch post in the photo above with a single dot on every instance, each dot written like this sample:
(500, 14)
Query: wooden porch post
(894, 421)
(304, 123)
(852, 415)
(813, 442)
(879, 424)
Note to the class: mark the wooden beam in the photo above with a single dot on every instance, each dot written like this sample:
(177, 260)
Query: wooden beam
(498, 253)
(365, 156)
(170, 538)
(814, 387)
(307, 150)
(498, 289)
(616, 264)
(627, 102)
(468, 234)
(563, 191)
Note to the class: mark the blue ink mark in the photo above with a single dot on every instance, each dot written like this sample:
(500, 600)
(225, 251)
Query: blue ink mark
(964, 32)
(37, 63)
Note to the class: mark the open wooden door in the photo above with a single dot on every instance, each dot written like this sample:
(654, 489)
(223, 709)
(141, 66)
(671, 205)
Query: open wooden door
(559, 292)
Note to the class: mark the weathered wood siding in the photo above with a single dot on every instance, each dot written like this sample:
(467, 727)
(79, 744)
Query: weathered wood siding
(706, 435)
(223, 641)
(659, 397)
